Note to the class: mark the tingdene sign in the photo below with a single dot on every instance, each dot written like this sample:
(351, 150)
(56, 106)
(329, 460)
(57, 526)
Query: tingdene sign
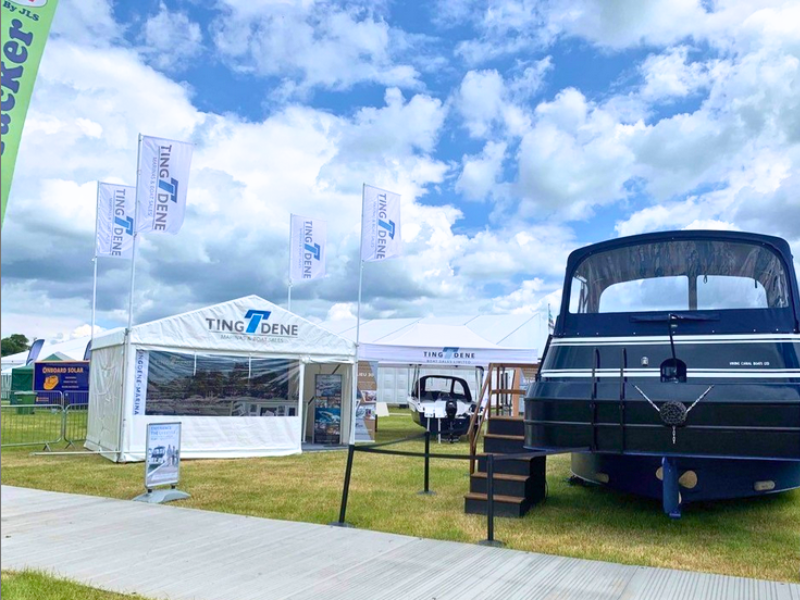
(255, 323)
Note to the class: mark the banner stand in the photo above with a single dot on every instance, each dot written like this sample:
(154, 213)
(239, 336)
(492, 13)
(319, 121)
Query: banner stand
(162, 464)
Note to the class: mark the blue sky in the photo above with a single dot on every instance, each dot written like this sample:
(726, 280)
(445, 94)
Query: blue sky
(515, 130)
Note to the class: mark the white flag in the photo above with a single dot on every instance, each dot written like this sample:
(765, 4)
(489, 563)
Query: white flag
(115, 220)
(162, 183)
(380, 225)
(307, 256)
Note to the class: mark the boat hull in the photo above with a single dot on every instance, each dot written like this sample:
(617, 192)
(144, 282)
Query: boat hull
(700, 479)
(459, 428)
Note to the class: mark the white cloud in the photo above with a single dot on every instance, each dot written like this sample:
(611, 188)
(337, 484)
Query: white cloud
(668, 75)
(171, 39)
(620, 24)
(491, 105)
(479, 175)
(576, 156)
(480, 101)
(313, 45)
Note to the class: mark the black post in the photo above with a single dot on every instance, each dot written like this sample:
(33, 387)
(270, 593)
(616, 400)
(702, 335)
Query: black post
(427, 491)
(351, 450)
(490, 541)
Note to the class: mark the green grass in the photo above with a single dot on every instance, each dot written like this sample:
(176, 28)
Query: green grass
(33, 585)
(753, 538)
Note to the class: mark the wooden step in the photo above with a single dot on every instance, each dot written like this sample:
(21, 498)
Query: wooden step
(505, 426)
(504, 506)
(504, 444)
(513, 466)
(504, 484)
(503, 476)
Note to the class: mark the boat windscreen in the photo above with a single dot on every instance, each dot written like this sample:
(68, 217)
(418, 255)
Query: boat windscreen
(679, 275)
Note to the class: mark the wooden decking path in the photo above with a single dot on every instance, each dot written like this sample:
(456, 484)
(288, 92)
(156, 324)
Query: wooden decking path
(182, 554)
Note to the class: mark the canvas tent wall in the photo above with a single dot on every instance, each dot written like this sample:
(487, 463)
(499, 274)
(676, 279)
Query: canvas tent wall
(214, 369)
(440, 344)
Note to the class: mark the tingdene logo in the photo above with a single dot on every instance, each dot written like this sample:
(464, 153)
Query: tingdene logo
(312, 250)
(167, 186)
(122, 225)
(254, 323)
(386, 227)
(448, 354)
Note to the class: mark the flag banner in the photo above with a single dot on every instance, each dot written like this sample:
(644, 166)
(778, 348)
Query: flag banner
(307, 255)
(380, 225)
(25, 26)
(115, 223)
(161, 184)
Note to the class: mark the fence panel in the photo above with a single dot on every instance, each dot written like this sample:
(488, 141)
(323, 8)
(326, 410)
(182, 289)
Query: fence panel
(72, 397)
(76, 419)
(49, 397)
(31, 425)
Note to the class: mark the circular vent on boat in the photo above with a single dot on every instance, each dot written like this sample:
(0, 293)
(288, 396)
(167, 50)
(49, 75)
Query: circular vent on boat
(673, 413)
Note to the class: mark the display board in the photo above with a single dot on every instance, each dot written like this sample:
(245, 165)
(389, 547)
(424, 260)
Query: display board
(162, 465)
(69, 378)
(366, 411)
(327, 409)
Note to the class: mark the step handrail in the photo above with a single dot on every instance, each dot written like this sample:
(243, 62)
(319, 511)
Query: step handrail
(483, 411)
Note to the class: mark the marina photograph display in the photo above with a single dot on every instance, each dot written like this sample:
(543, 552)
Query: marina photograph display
(219, 385)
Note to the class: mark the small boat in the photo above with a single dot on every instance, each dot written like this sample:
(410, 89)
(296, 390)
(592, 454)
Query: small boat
(675, 366)
(442, 404)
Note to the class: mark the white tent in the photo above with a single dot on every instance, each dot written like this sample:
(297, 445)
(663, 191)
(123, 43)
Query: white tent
(215, 369)
(438, 344)
(74, 349)
(467, 340)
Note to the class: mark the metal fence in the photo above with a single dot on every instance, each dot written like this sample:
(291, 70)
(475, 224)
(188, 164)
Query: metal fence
(76, 418)
(44, 418)
(31, 425)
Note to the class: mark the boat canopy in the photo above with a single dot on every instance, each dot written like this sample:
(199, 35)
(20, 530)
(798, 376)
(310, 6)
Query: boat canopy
(718, 282)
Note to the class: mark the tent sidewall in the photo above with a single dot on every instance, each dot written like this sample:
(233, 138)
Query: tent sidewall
(269, 436)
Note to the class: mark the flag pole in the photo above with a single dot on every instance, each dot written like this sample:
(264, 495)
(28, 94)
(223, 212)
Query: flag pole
(135, 234)
(289, 303)
(360, 271)
(94, 260)
(353, 407)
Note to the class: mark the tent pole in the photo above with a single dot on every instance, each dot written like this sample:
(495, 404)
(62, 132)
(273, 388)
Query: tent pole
(289, 304)
(301, 402)
(135, 233)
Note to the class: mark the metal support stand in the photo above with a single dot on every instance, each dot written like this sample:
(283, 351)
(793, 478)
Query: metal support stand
(490, 541)
(427, 491)
(351, 450)
(671, 495)
(161, 496)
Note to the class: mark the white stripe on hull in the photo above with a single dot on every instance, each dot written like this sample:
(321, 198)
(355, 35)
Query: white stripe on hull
(679, 339)
(707, 373)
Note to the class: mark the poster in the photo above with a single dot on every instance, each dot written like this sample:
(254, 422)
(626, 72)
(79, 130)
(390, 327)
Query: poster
(366, 411)
(69, 378)
(327, 409)
(162, 464)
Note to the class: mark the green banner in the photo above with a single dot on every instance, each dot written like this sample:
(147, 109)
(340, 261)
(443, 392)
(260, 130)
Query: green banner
(25, 25)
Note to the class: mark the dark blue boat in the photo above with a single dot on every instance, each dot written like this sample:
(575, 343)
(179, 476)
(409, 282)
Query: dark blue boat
(675, 361)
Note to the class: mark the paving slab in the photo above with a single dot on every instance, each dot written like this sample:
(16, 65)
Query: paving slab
(165, 551)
